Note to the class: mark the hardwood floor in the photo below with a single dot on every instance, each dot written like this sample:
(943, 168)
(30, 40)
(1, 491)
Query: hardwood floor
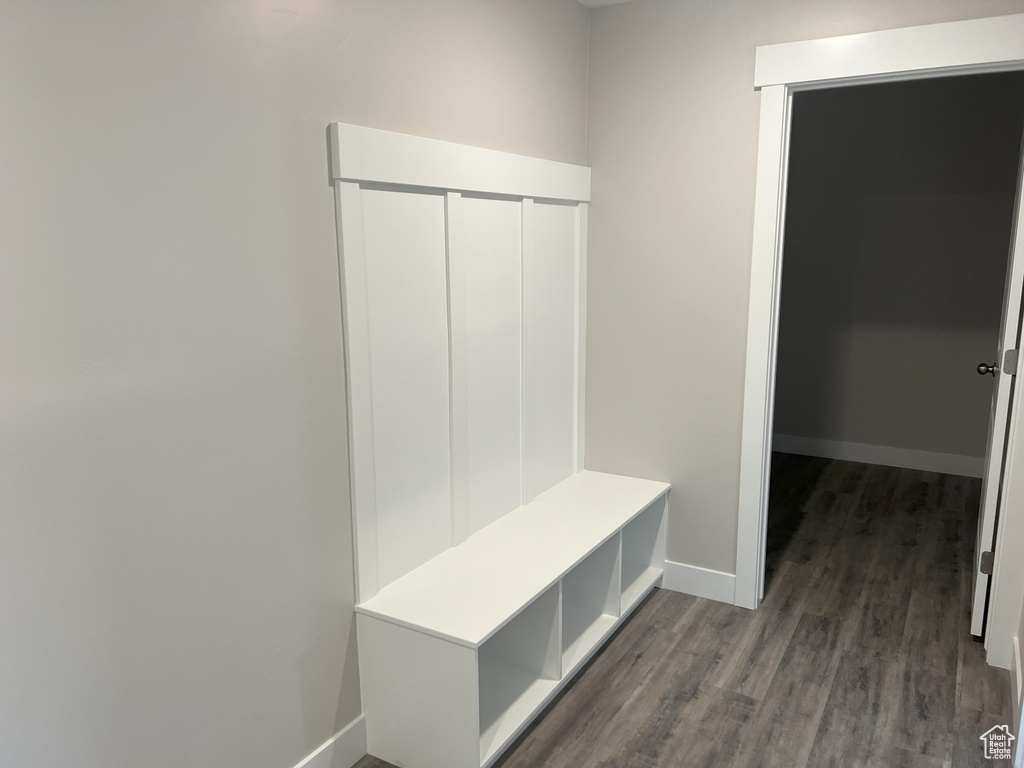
(859, 656)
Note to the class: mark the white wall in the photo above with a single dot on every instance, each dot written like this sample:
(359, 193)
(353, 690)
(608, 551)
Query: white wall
(672, 139)
(898, 221)
(175, 548)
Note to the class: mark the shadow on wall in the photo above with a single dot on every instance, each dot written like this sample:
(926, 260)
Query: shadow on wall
(899, 211)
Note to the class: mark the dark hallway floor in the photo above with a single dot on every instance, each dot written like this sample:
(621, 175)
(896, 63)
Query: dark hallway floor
(859, 655)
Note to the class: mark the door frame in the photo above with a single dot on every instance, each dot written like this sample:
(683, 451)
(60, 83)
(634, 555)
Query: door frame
(975, 46)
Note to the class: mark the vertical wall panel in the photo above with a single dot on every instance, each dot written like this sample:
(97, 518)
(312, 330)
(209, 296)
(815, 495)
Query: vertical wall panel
(352, 272)
(486, 293)
(583, 228)
(549, 305)
(406, 285)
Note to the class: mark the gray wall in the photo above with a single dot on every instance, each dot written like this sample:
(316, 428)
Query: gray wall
(175, 548)
(900, 207)
(673, 123)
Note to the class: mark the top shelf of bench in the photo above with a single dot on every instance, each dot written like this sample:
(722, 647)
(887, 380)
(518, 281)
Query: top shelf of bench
(468, 592)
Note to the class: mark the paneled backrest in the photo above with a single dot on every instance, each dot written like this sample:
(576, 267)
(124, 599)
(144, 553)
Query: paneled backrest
(463, 282)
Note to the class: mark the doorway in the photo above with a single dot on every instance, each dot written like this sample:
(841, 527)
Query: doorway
(899, 212)
(939, 50)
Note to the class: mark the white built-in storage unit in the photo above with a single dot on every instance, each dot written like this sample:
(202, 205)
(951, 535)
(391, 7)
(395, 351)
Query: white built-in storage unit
(490, 565)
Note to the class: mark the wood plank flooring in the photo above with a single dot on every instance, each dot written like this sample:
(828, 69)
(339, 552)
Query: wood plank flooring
(859, 656)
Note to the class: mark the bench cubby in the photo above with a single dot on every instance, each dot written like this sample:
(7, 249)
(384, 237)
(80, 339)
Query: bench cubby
(519, 667)
(643, 554)
(590, 603)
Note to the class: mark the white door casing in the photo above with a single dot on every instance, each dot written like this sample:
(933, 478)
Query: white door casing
(953, 48)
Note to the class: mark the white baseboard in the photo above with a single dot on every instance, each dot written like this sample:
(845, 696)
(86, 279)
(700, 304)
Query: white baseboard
(700, 582)
(343, 750)
(946, 463)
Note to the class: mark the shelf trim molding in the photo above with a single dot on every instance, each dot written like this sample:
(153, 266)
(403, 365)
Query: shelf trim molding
(370, 155)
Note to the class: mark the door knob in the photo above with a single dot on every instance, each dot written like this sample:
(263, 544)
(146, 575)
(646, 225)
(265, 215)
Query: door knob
(983, 369)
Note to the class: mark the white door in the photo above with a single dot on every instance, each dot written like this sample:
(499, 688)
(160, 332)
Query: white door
(999, 418)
